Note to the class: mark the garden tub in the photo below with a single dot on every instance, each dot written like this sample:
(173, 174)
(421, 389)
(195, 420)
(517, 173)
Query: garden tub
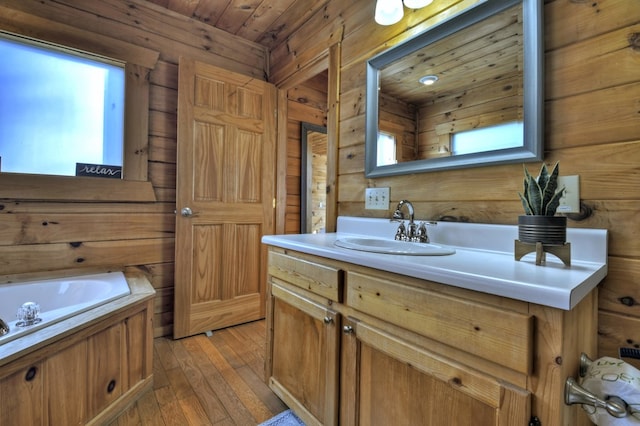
(58, 299)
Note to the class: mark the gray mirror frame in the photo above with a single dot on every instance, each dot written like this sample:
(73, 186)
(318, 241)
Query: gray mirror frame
(533, 146)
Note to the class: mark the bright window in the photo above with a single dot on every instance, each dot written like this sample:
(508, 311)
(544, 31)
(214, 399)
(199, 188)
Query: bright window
(59, 109)
(386, 149)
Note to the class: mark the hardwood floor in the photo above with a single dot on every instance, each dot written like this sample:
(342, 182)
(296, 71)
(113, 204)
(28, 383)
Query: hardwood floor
(202, 380)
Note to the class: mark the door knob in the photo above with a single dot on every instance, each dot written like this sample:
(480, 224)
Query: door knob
(186, 212)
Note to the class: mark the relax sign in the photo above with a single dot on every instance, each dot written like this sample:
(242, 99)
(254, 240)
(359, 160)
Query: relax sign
(98, 170)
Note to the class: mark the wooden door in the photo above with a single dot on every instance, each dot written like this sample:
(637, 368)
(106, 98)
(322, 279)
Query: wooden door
(224, 197)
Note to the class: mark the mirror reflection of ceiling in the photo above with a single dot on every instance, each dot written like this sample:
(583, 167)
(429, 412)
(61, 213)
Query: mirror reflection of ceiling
(481, 54)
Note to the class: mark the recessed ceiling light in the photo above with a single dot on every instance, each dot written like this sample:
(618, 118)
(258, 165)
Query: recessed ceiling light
(428, 80)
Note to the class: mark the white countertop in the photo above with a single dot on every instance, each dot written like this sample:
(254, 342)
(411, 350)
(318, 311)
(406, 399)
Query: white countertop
(483, 261)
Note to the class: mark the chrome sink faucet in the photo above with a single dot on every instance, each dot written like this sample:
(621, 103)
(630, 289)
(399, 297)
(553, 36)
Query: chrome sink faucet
(415, 233)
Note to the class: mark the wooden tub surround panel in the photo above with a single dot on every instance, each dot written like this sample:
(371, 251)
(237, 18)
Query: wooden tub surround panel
(84, 370)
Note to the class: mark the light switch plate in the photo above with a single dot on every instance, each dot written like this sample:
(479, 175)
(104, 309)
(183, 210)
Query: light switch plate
(570, 201)
(376, 198)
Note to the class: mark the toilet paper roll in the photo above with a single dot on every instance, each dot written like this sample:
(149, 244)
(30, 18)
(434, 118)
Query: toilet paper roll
(607, 377)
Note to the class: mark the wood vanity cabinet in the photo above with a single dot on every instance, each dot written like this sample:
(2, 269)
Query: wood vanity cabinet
(352, 345)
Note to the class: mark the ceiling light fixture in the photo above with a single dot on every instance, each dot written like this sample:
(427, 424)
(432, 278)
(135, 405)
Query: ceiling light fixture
(417, 4)
(428, 80)
(388, 12)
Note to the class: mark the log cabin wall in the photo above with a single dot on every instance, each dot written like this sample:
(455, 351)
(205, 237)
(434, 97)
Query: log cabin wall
(592, 99)
(49, 236)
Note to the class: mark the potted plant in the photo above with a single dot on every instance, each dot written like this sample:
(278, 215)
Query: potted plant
(540, 199)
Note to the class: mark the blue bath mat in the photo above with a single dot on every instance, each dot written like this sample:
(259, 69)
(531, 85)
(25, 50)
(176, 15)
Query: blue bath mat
(286, 418)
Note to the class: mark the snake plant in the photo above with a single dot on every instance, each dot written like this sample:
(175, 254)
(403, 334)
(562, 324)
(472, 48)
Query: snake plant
(541, 196)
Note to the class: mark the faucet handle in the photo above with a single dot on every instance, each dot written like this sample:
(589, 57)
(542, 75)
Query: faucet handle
(421, 234)
(401, 232)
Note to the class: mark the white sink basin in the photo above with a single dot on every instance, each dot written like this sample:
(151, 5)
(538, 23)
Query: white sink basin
(381, 245)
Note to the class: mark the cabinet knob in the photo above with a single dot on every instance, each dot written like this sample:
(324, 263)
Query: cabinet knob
(328, 320)
(347, 329)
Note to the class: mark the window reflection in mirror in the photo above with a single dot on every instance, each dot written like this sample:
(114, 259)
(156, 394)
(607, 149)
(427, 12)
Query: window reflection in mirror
(58, 108)
(491, 138)
(386, 149)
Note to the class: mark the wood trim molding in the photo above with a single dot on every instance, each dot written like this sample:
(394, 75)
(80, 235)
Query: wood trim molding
(15, 186)
(333, 135)
(281, 163)
(27, 25)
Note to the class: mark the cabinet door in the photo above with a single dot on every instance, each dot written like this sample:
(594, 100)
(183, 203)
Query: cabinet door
(305, 356)
(389, 381)
(66, 386)
(21, 397)
(104, 368)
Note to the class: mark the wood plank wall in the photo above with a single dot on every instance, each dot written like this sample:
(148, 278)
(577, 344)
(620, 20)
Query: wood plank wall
(592, 99)
(56, 235)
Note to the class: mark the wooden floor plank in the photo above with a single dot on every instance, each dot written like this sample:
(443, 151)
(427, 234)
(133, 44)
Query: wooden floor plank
(160, 378)
(179, 383)
(237, 412)
(196, 366)
(149, 410)
(194, 412)
(257, 408)
(218, 340)
(200, 380)
(261, 389)
(252, 354)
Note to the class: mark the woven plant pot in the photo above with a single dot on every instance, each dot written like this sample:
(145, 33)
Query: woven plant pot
(548, 230)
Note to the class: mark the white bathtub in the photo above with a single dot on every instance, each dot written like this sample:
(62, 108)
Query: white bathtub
(59, 299)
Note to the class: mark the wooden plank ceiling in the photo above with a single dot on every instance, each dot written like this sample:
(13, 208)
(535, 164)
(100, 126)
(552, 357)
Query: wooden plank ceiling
(267, 22)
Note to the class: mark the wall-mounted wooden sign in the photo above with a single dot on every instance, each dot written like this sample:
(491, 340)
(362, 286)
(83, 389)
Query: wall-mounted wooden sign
(99, 170)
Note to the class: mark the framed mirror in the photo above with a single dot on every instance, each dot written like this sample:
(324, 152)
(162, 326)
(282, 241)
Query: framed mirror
(313, 176)
(467, 92)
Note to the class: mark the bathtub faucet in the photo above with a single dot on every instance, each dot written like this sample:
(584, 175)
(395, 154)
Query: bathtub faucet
(4, 327)
(28, 314)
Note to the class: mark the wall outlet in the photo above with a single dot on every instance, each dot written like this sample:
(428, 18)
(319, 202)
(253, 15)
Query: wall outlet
(376, 198)
(570, 201)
